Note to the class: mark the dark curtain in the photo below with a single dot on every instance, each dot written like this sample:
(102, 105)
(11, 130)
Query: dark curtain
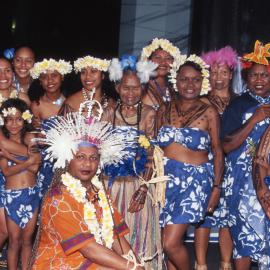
(217, 23)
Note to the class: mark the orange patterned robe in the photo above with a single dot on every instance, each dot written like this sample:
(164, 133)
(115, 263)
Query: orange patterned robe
(64, 232)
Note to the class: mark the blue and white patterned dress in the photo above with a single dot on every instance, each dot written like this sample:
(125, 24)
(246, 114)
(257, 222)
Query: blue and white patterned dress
(189, 188)
(246, 217)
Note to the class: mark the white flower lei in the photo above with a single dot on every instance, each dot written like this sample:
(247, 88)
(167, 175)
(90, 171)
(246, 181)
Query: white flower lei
(197, 60)
(101, 234)
(89, 61)
(61, 66)
(162, 43)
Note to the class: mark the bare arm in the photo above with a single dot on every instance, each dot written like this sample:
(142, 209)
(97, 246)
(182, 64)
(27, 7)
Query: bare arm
(106, 257)
(214, 130)
(234, 140)
(11, 170)
(11, 146)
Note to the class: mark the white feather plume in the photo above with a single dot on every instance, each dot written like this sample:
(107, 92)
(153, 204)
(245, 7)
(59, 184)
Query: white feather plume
(145, 70)
(115, 70)
(66, 133)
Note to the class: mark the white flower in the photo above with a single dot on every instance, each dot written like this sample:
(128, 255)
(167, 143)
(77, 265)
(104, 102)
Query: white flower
(103, 233)
(182, 59)
(89, 61)
(162, 43)
(60, 66)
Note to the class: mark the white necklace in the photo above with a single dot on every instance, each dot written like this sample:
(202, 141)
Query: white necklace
(103, 233)
(88, 96)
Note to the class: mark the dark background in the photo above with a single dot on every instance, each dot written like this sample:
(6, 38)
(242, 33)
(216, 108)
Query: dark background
(56, 28)
(66, 29)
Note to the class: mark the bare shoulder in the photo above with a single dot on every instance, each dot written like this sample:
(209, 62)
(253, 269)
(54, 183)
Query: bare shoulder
(147, 110)
(205, 100)
(74, 99)
(28, 137)
(25, 98)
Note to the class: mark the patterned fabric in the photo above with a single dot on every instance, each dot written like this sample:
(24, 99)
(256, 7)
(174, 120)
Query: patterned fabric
(134, 164)
(192, 138)
(145, 235)
(2, 188)
(187, 192)
(189, 187)
(20, 204)
(45, 173)
(64, 232)
(246, 217)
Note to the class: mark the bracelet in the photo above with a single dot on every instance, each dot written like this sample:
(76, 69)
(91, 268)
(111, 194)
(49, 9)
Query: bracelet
(217, 186)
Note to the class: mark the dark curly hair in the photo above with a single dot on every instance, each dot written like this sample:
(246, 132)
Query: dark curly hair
(21, 106)
(191, 64)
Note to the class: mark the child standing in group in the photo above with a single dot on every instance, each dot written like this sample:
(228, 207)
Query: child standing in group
(21, 194)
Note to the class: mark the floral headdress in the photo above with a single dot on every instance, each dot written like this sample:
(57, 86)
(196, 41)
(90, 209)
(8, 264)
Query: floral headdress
(60, 66)
(89, 61)
(197, 60)
(259, 55)
(144, 69)
(67, 133)
(160, 43)
(26, 115)
(224, 55)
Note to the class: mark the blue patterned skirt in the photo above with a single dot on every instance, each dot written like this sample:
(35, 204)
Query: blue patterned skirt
(20, 204)
(187, 192)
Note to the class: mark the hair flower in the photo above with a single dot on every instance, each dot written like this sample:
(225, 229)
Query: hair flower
(128, 62)
(27, 116)
(9, 53)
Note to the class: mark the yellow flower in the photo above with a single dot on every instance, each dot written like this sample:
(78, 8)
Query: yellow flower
(144, 142)
(27, 116)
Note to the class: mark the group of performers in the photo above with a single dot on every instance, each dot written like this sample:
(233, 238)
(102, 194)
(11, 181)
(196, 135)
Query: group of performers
(99, 183)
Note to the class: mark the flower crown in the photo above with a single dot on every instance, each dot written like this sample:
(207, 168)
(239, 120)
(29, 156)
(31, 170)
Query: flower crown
(259, 55)
(144, 69)
(162, 43)
(224, 55)
(60, 66)
(26, 115)
(67, 133)
(197, 60)
(89, 61)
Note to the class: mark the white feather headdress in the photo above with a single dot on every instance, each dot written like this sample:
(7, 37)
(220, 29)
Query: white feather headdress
(66, 133)
(145, 70)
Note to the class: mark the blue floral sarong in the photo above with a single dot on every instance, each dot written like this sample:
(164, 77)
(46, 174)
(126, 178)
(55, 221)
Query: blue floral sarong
(189, 188)
(20, 204)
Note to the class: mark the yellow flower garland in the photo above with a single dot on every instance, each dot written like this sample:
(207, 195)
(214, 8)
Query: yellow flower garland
(104, 233)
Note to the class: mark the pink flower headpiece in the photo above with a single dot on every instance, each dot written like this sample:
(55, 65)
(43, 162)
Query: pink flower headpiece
(225, 55)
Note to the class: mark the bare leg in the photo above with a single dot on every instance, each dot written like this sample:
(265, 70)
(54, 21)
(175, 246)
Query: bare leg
(3, 227)
(225, 246)
(14, 243)
(27, 240)
(173, 236)
(201, 245)
(242, 264)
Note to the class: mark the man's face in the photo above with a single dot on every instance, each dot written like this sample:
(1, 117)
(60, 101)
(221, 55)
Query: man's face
(84, 164)
(259, 80)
